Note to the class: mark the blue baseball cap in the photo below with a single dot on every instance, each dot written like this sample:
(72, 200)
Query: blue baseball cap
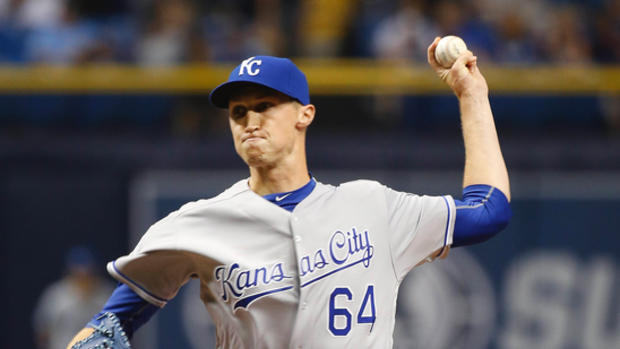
(280, 74)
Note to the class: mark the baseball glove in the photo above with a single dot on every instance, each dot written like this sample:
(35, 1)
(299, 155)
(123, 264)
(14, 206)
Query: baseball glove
(108, 335)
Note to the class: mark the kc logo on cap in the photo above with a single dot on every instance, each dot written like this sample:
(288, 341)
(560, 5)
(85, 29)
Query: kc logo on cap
(276, 73)
(248, 66)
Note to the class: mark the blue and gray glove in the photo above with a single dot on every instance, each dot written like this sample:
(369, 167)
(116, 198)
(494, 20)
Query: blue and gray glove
(108, 335)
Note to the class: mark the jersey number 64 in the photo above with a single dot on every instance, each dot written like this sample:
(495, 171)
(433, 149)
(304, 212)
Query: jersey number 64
(365, 315)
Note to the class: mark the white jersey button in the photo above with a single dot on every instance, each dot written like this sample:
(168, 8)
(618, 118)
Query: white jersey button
(297, 238)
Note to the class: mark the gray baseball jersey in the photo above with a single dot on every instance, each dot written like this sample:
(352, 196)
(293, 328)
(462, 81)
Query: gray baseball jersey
(323, 276)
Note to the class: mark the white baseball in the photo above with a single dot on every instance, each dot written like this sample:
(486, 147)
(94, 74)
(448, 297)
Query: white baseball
(448, 50)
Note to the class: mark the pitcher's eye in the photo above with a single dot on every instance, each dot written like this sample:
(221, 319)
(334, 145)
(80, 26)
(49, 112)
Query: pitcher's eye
(238, 112)
(261, 107)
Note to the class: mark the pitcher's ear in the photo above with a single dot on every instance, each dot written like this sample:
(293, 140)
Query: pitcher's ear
(305, 115)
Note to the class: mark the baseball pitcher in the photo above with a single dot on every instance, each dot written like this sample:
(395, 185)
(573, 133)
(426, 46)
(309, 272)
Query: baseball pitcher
(285, 261)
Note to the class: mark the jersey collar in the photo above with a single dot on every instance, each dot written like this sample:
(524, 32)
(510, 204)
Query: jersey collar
(288, 200)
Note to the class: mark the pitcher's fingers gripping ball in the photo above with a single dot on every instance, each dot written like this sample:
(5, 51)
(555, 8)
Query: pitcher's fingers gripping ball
(462, 74)
(449, 48)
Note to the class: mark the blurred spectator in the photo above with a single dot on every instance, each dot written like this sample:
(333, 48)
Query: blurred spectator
(606, 33)
(477, 29)
(222, 29)
(322, 26)
(264, 34)
(180, 31)
(72, 40)
(454, 17)
(413, 25)
(566, 41)
(517, 43)
(11, 35)
(405, 34)
(235, 30)
(34, 14)
(6, 7)
(66, 305)
(449, 15)
(170, 35)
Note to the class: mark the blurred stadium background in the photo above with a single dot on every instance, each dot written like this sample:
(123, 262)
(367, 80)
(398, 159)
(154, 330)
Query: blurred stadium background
(105, 126)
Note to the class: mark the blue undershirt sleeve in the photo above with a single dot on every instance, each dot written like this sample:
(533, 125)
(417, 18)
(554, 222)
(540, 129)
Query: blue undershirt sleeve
(131, 309)
(483, 212)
